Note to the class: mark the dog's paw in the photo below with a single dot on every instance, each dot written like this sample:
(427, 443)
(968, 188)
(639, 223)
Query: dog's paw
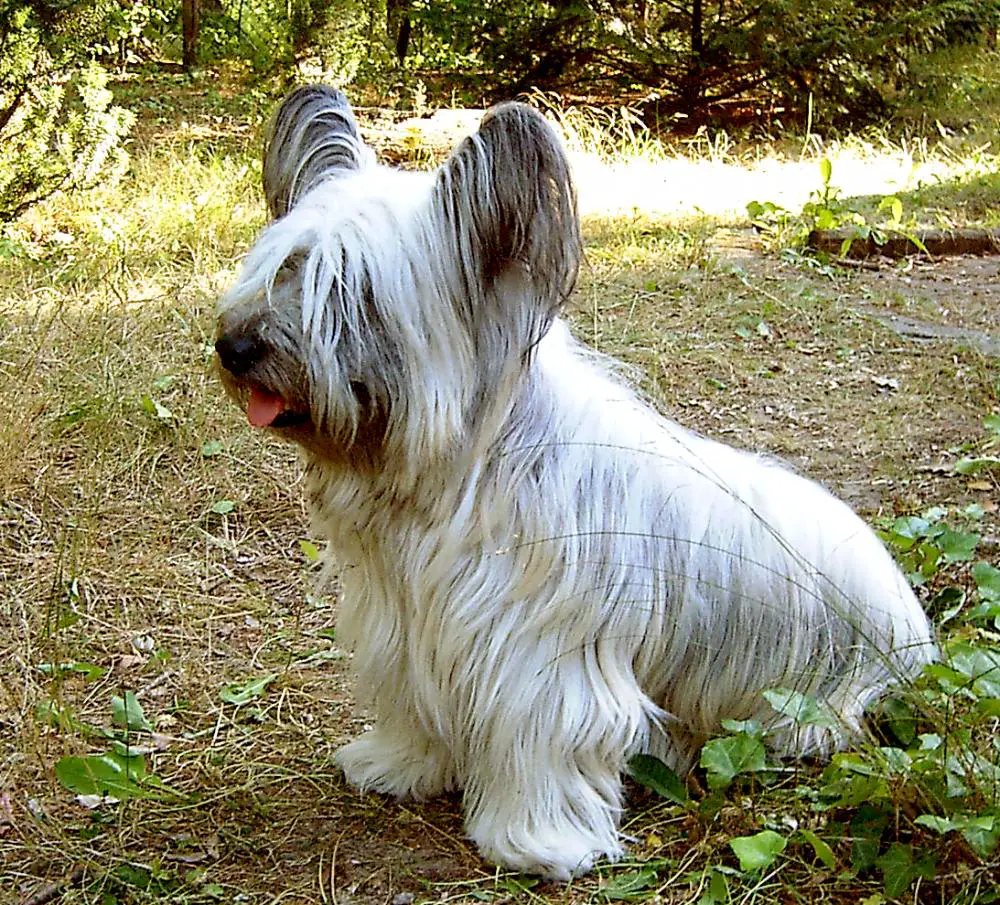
(385, 761)
(556, 856)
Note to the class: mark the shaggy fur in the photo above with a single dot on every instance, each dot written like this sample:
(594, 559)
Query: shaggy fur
(541, 576)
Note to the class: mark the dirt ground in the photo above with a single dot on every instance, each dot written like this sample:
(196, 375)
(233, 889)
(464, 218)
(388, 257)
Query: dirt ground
(879, 421)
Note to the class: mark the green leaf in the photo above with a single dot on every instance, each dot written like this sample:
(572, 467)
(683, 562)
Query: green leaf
(223, 507)
(968, 465)
(912, 526)
(243, 692)
(987, 579)
(309, 550)
(981, 832)
(979, 665)
(718, 889)
(992, 423)
(747, 727)
(950, 680)
(134, 875)
(155, 408)
(726, 758)
(894, 206)
(897, 761)
(825, 170)
(901, 719)
(656, 775)
(867, 827)
(63, 719)
(825, 219)
(820, 848)
(633, 885)
(974, 511)
(103, 774)
(758, 851)
(989, 707)
(899, 869)
(127, 713)
(957, 546)
(88, 670)
(949, 602)
(518, 886)
(803, 709)
(940, 825)
(212, 448)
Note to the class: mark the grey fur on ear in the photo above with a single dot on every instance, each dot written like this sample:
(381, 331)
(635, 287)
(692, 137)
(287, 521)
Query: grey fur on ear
(507, 199)
(312, 136)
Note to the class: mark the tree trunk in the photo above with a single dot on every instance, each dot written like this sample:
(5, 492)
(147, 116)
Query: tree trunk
(692, 90)
(403, 39)
(189, 20)
(398, 26)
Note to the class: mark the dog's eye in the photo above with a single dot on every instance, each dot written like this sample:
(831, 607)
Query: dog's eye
(360, 393)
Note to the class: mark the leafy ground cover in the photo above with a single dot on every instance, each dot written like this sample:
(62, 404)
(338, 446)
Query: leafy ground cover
(164, 641)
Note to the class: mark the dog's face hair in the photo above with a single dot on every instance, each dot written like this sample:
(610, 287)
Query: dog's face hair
(362, 352)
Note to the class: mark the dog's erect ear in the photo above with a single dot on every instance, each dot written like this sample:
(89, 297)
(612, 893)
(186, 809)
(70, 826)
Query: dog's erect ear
(312, 136)
(506, 201)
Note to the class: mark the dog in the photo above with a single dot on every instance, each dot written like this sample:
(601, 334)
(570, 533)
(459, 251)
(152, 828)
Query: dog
(541, 576)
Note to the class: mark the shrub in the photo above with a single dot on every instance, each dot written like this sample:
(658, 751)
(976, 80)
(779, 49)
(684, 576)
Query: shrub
(58, 128)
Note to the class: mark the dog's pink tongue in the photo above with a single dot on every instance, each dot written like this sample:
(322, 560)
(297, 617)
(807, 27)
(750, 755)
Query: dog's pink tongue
(263, 407)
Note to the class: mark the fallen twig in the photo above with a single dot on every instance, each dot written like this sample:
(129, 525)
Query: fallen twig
(51, 891)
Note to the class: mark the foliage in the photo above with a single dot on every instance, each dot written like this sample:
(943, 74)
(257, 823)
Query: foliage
(826, 211)
(119, 773)
(266, 33)
(849, 59)
(58, 128)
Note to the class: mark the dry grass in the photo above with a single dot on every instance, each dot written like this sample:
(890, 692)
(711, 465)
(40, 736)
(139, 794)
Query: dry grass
(116, 447)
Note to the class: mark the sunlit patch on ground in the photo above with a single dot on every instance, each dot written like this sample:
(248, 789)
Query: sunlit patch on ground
(680, 187)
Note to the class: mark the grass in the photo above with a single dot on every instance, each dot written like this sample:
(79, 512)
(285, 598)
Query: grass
(149, 543)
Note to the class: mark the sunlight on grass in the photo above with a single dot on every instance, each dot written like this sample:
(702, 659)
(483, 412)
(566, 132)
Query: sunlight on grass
(681, 186)
(621, 167)
(177, 224)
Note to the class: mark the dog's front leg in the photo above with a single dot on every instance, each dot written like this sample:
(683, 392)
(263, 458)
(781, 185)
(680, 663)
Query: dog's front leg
(535, 804)
(398, 757)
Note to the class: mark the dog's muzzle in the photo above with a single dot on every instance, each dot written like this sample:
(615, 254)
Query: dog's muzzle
(239, 352)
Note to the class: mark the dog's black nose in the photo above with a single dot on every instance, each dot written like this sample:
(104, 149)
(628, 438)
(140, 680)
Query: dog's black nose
(239, 352)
